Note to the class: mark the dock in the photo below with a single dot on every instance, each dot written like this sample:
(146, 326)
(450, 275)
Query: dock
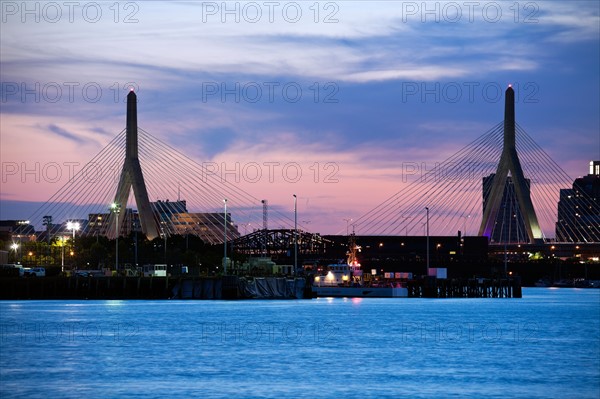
(180, 287)
(228, 287)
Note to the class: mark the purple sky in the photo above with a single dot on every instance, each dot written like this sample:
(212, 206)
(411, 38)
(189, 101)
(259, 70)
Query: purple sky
(351, 89)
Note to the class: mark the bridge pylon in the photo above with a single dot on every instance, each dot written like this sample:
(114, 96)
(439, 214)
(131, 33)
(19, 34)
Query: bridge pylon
(132, 178)
(509, 162)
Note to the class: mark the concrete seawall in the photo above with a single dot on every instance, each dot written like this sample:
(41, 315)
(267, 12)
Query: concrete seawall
(77, 287)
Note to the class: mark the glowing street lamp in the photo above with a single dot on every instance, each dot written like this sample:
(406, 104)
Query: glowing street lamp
(62, 253)
(74, 226)
(116, 208)
(14, 246)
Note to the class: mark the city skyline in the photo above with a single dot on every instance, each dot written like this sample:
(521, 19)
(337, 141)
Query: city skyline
(384, 107)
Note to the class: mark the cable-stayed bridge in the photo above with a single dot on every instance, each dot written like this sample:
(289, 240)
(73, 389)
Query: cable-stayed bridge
(501, 185)
(453, 191)
(99, 196)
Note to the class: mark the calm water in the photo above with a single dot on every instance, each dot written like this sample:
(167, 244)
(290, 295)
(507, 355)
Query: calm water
(545, 345)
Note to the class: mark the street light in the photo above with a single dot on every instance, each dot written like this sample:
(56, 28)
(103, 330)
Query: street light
(136, 227)
(116, 208)
(295, 235)
(14, 246)
(162, 229)
(62, 253)
(225, 237)
(48, 223)
(73, 226)
(427, 209)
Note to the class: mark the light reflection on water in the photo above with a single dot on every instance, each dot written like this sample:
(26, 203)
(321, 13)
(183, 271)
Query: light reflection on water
(544, 345)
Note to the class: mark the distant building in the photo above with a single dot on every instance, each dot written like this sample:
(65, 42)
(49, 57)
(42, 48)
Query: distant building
(208, 226)
(173, 219)
(98, 223)
(20, 230)
(509, 226)
(579, 209)
(164, 209)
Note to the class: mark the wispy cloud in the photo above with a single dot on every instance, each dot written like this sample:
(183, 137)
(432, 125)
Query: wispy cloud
(361, 46)
(77, 139)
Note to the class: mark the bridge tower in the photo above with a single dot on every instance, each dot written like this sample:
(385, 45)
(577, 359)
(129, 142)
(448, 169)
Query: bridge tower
(132, 177)
(509, 162)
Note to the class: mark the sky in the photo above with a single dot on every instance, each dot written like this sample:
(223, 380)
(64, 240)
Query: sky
(346, 92)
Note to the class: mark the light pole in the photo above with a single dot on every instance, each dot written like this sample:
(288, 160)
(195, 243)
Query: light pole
(295, 234)
(116, 208)
(135, 229)
(20, 249)
(165, 237)
(62, 254)
(225, 236)
(265, 227)
(74, 226)
(427, 209)
(22, 225)
(48, 223)
(14, 246)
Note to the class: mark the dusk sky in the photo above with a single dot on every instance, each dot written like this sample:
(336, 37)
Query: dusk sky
(353, 89)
